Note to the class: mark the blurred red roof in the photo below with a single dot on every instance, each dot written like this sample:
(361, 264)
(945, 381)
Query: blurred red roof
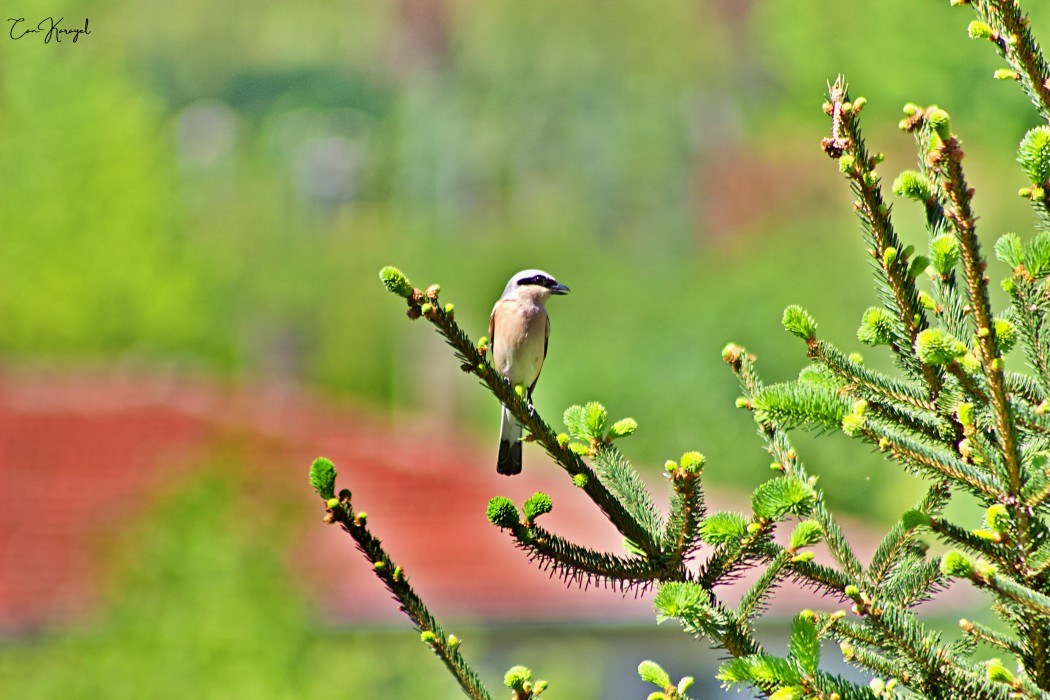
(79, 453)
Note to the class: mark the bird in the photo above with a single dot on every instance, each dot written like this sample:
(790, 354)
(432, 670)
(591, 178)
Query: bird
(519, 330)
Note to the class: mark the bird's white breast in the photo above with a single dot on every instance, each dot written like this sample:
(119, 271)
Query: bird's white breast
(520, 335)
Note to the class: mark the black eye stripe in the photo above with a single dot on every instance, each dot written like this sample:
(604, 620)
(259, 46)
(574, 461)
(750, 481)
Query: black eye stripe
(538, 279)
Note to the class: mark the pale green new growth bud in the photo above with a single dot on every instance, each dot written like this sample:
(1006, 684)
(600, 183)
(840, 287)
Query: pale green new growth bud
(913, 185)
(502, 513)
(332, 502)
(856, 357)
(917, 266)
(876, 327)
(1005, 335)
(1033, 154)
(693, 462)
(595, 417)
(944, 253)
(538, 504)
(915, 518)
(624, 427)
(997, 517)
(670, 465)
(1006, 74)
(426, 308)
(941, 123)
(579, 480)
(742, 402)
(450, 308)
(846, 163)
(986, 569)
(651, 672)
(970, 363)
(965, 413)
(889, 256)
(453, 641)
(517, 676)
(927, 302)
(322, 477)
(934, 346)
(806, 534)
(427, 637)
(379, 565)
(997, 672)
(562, 439)
(798, 322)
(853, 424)
(957, 565)
(395, 281)
(979, 30)
(519, 390)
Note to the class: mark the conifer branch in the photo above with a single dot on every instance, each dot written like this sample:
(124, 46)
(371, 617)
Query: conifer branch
(930, 460)
(704, 617)
(628, 488)
(753, 600)
(570, 562)
(896, 541)
(826, 580)
(989, 636)
(1036, 603)
(877, 386)
(947, 159)
(1010, 32)
(960, 536)
(932, 670)
(687, 509)
(726, 561)
(896, 286)
(780, 448)
(396, 581)
(1030, 303)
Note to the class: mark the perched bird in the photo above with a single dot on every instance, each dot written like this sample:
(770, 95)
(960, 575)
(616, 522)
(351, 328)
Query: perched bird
(519, 329)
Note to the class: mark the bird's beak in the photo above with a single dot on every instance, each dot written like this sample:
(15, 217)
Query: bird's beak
(559, 289)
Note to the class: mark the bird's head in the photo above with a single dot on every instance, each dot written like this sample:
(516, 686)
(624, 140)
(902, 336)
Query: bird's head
(535, 283)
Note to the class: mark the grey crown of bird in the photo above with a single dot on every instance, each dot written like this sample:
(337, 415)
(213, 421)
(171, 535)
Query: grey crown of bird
(519, 330)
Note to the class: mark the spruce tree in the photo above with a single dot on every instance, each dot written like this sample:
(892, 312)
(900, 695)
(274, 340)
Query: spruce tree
(952, 412)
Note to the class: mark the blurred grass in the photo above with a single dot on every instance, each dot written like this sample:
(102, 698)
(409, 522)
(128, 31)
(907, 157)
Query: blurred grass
(219, 198)
(214, 192)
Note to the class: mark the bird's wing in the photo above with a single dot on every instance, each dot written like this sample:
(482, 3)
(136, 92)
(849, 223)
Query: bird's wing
(547, 338)
(546, 342)
(492, 330)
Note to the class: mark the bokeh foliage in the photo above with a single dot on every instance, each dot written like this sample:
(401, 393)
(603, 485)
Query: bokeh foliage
(585, 138)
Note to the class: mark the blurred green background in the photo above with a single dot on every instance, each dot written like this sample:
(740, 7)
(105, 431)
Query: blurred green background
(213, 190)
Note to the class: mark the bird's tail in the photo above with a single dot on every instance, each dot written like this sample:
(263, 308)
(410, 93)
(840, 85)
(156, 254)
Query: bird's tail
(509, 460)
